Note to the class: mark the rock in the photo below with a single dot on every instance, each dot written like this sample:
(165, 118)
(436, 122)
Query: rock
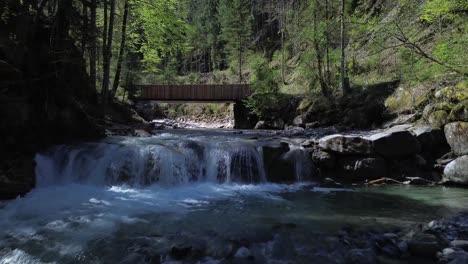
(283, 247)
(277, 169)
(438, 118)
(460, 112)
(457, 137)
(424, 245)
(141, 133)
(275, 124)
(346, 144)
(401, 119)
(299, 121)
(260, 125)
(463, 244)
(432, 141)
(361, 256)
(362, 169)
(395, 143)
(179, 252)
(242, 252)
(323, 159)
(330, 183)
(312, 125)
(460, 258)
(457, 170)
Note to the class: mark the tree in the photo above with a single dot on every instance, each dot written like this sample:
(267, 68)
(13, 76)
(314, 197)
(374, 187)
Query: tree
(93, 45)
(236, 27)
(122, 49)
(108, 54)
(344, 79)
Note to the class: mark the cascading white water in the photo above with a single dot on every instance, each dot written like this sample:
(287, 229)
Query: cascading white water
(166, 160)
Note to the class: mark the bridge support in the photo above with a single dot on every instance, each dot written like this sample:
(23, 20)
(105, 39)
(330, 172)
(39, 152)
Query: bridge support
(243, 119)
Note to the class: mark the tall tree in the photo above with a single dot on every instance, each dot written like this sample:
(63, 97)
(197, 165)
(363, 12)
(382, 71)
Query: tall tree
(93, 45)
(236, 28)
(108, 54)
(122, 49)
(344, 79)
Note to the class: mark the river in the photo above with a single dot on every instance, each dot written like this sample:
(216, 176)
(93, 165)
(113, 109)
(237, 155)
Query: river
(194, 196)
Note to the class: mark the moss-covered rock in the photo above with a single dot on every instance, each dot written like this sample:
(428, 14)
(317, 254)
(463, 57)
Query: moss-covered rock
(438, 118)
(407, 99)
(459, 112)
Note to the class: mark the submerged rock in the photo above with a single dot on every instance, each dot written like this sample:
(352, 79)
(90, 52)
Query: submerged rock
(457, 170)
(361, 256)
(457, 137)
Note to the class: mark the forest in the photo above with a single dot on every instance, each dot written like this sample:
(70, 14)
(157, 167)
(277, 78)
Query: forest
(233, 131)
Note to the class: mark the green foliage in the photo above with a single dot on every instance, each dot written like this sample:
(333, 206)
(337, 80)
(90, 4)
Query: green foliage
(235, 17)
(266, 96)
(158, 30)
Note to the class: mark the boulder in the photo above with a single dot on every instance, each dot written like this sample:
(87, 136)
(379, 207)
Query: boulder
(432, 141)
(457, 137)
(362, 169)
(346, 144)
(299, 121)
(395, 143)
(457, 171)
(260, 125)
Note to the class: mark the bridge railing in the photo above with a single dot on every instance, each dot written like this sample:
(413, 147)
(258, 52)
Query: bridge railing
(196, 92)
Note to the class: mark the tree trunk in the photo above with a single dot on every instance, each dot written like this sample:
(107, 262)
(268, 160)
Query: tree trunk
(283, 79)
(108, 53)
(327, 42)
(104, 56)
(240, 58)
(84, 30)
(93, 45)
(344, 82)
(318, 55)
(122, 49)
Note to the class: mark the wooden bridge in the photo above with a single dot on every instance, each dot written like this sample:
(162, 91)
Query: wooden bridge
(195, 92)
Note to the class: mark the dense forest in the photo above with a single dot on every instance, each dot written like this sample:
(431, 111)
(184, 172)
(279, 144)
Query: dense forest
(67, 67)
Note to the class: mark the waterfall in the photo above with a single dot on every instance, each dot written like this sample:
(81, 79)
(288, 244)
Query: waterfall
(165, 161)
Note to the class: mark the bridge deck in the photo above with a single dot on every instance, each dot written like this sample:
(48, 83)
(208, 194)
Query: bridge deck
(195, 92)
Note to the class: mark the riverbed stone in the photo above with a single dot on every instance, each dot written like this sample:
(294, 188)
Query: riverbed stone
(457, 170)
(395, 143)
(361, 256)
(344, 144)
(424, 245)
(457, 137)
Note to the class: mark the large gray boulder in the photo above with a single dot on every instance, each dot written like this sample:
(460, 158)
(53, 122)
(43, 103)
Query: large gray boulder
(457, 137)
(457, 171)
(346, 144)
(395, 143)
